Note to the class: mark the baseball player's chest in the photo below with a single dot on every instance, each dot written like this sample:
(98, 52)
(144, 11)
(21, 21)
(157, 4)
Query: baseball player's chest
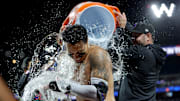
(82, 73)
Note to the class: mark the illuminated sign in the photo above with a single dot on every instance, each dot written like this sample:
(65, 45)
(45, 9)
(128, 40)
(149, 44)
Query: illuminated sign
(172, 50)
(161, 90)
(162, 9)
(168, 89)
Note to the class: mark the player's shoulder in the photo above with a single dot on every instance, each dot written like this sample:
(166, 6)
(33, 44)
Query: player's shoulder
(98, 53)
(94, 49)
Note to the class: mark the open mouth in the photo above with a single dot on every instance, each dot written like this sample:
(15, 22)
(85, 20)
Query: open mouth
(78, 60)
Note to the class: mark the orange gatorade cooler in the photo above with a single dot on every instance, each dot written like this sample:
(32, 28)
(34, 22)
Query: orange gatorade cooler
(97, 18)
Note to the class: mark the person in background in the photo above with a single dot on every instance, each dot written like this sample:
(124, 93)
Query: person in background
(26, 64)
(143, 61)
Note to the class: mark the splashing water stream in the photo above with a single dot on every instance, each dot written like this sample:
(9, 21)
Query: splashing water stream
(64, 68)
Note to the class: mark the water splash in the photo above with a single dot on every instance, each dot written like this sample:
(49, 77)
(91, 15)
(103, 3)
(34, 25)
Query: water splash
(46, 50)
(39, 83)
(49, 50)
(49, 60)
(115, 48)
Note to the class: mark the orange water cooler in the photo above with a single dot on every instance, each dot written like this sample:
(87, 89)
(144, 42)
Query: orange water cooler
(97, 18)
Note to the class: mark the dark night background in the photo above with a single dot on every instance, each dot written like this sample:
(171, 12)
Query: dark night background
(24, 23)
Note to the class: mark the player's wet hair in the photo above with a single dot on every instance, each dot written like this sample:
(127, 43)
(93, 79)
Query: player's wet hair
(75, 33)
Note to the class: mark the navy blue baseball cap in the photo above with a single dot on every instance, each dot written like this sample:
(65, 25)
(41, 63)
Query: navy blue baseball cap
(143, 28)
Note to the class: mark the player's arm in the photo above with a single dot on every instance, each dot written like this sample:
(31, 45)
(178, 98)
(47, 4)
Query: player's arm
(88, 92)
(101, 73)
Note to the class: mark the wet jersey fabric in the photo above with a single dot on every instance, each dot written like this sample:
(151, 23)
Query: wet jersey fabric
(143, 64)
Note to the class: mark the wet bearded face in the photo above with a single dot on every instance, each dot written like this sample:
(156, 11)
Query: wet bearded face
(78, 51)
(140, 38)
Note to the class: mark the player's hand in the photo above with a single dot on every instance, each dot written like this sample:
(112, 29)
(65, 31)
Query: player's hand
(63, 85)
(121, 19)
(53, 86)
